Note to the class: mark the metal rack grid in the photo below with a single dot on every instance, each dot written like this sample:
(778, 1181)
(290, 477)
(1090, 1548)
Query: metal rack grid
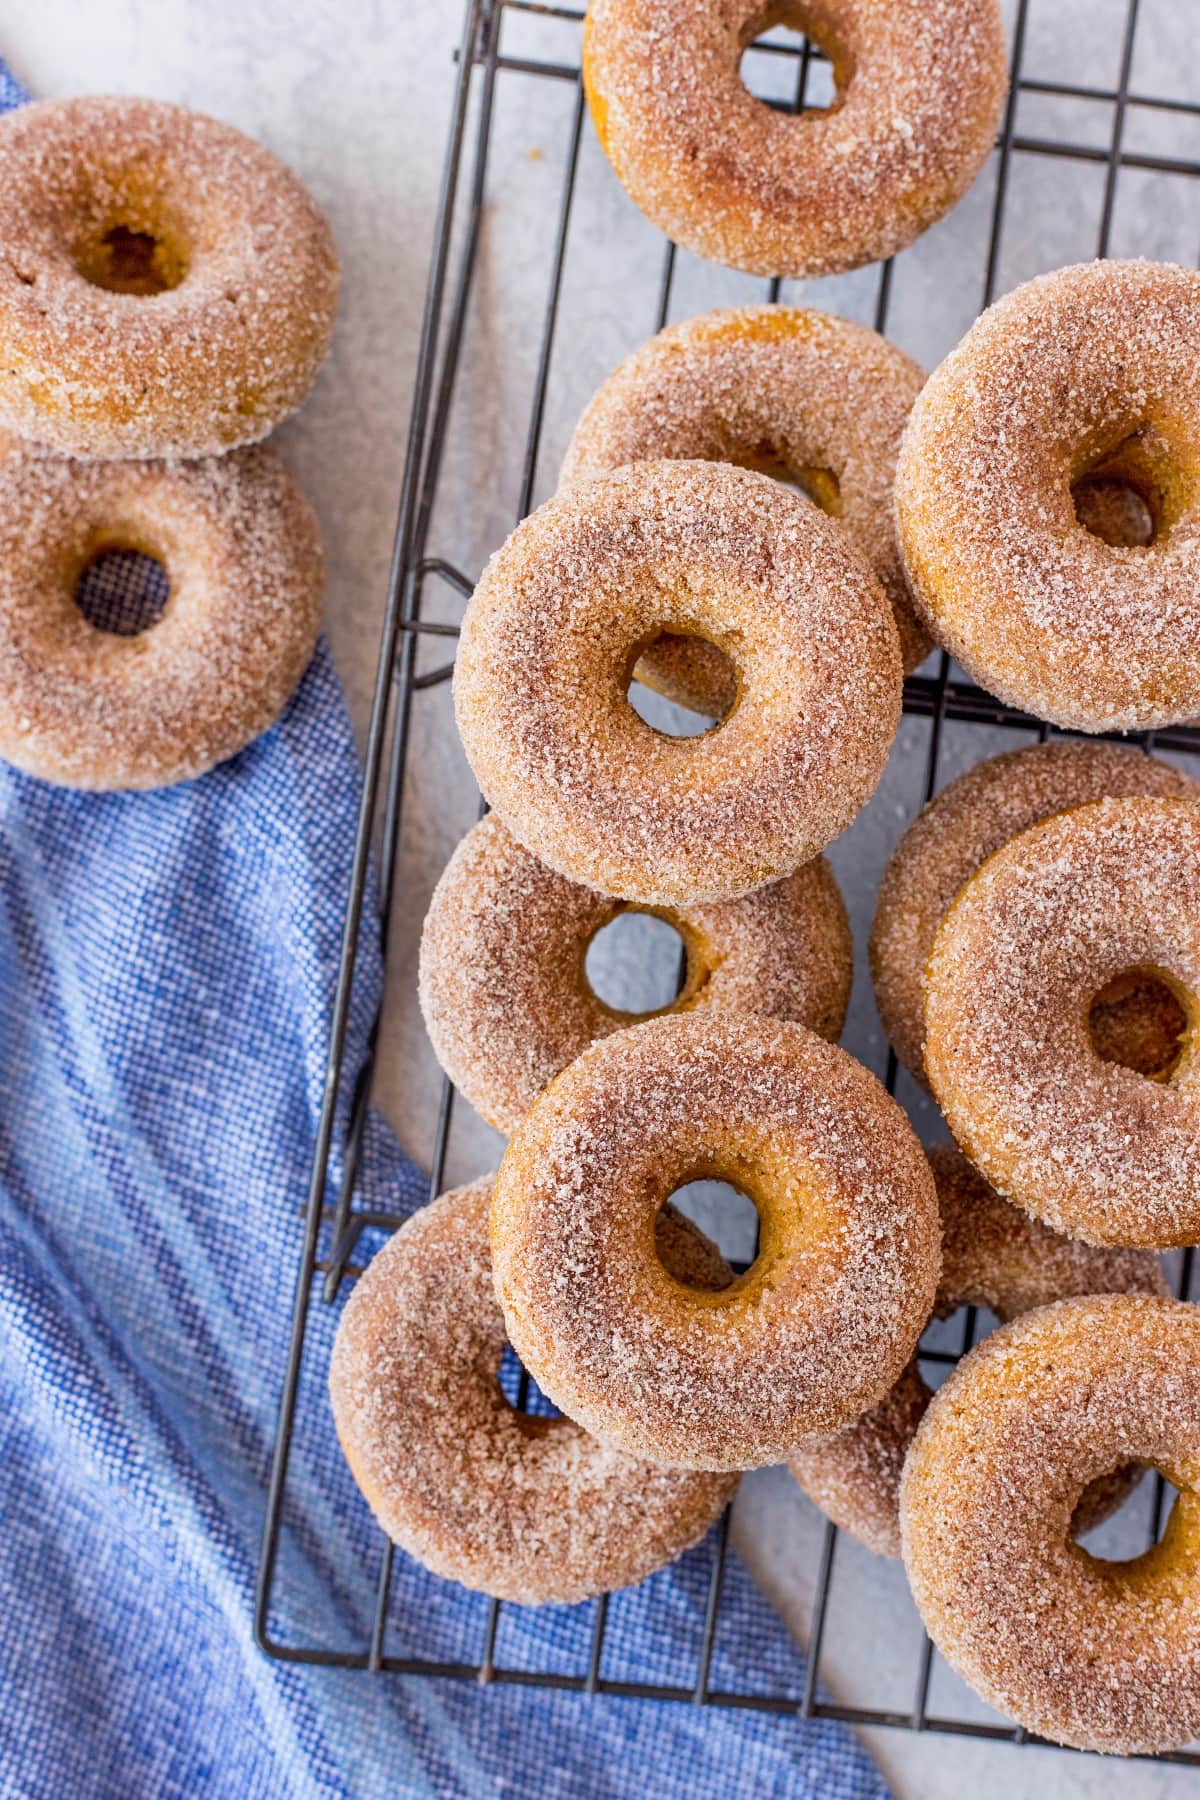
(331, 1233)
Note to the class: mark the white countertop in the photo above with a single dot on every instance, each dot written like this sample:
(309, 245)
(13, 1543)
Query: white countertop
(356, 98)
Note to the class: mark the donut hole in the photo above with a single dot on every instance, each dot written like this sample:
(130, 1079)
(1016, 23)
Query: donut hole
(819, 485)
(637, 964)
(947, 1336)
(122, 589)
(126, 259)
(772, 77)
(1128, 495)
(1120, 1540)
(522, 1393)
(725, 1213)
(1140, 1020)
(1114, 511)
(680, 661)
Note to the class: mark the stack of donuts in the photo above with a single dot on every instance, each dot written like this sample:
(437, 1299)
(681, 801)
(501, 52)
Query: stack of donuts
(167, 295)
(1034, 509)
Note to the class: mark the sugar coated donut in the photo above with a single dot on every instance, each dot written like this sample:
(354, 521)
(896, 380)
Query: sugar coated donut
(993, 1256)
(526, 1508)
(818, 401)
(1100, 1655)
(825, 1318)
(1107, 894)
(565, 609)
(920, 88)
(167, 286)
(1091, 374)
(961, 826)
(506, 996)
(91, 709)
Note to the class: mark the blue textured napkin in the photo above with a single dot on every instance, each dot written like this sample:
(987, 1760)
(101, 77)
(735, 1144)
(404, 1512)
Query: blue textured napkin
(167, 969)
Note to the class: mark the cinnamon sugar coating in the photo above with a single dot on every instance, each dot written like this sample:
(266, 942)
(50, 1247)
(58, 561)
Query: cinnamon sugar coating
(920, 88)
(1091, 372)
(167, 285)
(813, 399)
(505, 993)
(961, 826)
(811, 1335)
(91, 709)
(1049, 921)
(993, 1256)
(1100, 1655)
(525, 1508)
(560, 617)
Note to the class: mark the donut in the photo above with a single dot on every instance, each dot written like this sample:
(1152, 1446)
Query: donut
(820, 1325)
(88, 708)
(817, 401)
(1090, 374)
(920, 88)
(560, 617)
(993, 1256)
(1099, 1655)
(525, 1508)
(167, 286)
(972, 816)
(506, 996)
(1106, 894)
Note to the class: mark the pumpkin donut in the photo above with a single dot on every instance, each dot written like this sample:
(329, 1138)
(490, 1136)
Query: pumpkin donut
(91, 709)
(815, 400)
(1100, 1655)
(167, 286)
(920, 89)
(525, 1508)
(506, 996)
(993, 1256)
(820, 1325)
(1105, 898)
(962, 825)
(1091, 374)
(557, 623)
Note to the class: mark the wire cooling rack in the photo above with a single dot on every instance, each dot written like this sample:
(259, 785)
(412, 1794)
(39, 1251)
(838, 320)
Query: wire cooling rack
(332, 1231)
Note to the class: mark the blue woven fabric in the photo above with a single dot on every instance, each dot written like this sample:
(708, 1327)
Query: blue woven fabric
(167, 963)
